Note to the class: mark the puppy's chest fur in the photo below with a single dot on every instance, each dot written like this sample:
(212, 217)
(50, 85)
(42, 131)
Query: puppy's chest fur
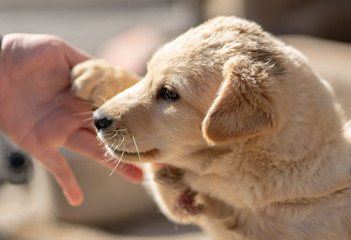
(235, 191)
(252, 177)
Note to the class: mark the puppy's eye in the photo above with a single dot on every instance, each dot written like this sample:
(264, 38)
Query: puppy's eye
(169, 93)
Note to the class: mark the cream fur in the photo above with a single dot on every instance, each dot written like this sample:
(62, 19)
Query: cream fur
(255, 131)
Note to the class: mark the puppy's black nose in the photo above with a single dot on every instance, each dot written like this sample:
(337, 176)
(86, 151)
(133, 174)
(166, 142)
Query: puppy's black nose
(101, 121)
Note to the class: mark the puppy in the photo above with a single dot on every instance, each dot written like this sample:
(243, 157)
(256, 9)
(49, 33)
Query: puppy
(241, 135)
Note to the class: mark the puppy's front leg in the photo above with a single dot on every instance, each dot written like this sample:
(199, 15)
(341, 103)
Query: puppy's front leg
(174, 197)
(185, 202)
(97, 80)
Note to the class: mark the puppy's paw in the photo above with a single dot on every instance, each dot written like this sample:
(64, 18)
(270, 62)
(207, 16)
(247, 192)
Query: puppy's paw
(187, 204)
(88, 81)
(97, 81)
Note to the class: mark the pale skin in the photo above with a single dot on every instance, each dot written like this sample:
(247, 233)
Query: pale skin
(39, 112)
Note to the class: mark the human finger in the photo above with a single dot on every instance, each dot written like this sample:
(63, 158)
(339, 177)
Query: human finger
(59, 168)
(74, 55)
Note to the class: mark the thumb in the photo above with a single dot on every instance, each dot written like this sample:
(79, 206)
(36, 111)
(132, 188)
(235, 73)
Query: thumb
(74, 55)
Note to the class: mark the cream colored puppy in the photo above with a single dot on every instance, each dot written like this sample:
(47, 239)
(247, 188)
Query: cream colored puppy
(250, 139)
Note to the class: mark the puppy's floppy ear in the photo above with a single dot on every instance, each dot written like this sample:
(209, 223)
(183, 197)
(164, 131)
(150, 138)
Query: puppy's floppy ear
(246, 104)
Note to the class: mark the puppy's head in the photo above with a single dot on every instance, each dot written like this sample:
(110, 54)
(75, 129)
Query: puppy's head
(222, 82)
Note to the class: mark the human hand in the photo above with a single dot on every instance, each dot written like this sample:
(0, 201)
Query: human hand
(38, 111)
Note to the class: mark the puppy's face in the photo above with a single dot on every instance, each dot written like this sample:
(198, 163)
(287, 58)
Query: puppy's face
(158, 118)
(225, 81)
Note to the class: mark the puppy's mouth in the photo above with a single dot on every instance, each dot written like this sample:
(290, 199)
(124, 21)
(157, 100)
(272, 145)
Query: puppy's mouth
(141, 156)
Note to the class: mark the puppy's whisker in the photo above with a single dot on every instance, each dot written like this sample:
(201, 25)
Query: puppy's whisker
(136, 147)
(121, 130)
(107, 158)
(83, 113)
(90, 120)
(88, 103)
(119, 161)
(109, 135)
(112, 172)
(114, 135)
(103, 99)
(119, 144)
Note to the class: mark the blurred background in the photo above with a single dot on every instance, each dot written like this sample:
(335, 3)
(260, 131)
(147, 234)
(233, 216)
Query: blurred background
(127, 32)
(90, 23)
